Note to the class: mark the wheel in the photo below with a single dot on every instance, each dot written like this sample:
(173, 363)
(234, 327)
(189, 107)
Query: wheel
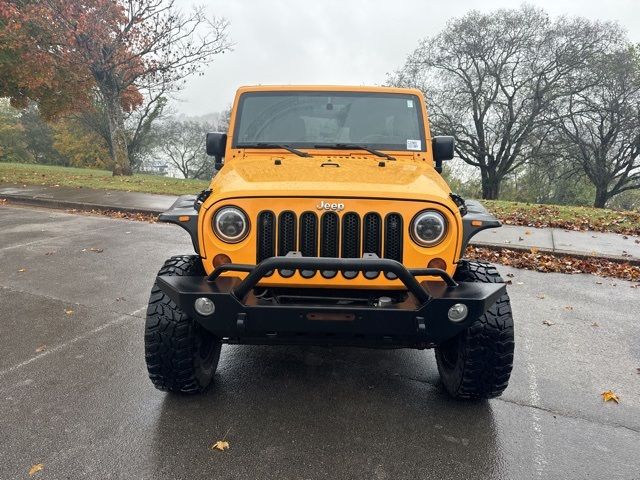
(181, 356)
(477, 363)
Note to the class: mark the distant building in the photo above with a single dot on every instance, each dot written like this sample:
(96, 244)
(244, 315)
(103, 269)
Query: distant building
(155, 168)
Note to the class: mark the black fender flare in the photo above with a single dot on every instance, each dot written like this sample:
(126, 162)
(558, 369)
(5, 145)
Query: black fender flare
(476, 219)
(184, 214)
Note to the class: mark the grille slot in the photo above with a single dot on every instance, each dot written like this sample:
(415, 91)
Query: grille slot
(329, 236)
(350, 240)
(308, 239)
(286, 238)
(309, 234)
(266, 247)
(329, 241)
(393, 239)
(351, 235)
(286, 233)
(372, 238)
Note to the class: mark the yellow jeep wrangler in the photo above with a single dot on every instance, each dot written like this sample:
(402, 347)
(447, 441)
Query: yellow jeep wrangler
(329, 224)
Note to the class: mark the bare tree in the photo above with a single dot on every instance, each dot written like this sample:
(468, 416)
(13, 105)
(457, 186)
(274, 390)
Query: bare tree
(492, 78)
(601, 125)
(183, 145)
(140, 134)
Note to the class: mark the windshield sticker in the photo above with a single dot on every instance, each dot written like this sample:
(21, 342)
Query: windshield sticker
(414, 145)
(409, 103)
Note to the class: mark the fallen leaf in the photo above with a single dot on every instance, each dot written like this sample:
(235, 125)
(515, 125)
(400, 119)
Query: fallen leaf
(520, 239)
(510, 275)
(35, 469)
(534, 250)
(527, 232)
(609, 395)
(568, 307)
(68, 311)
(547, 323)
(41, 348)
(540, 296)
(220, 445)
(22, 270)
(595, 324)
(49, 253)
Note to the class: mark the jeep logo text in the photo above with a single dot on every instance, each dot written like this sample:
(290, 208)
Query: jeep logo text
(336, 207)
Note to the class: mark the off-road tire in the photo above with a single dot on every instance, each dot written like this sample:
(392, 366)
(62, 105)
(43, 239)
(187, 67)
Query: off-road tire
(477, 363)
(181, 356)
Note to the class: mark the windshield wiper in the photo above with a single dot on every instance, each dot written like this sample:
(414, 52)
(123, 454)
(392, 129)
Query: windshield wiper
(275, 145)
(353, 146)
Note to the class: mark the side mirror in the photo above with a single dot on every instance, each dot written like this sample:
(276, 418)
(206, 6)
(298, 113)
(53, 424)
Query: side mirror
(443, 149)
(216, 146)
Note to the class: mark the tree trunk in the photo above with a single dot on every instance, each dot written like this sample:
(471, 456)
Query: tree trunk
(119, 150)
(601, 197)
(490, 186)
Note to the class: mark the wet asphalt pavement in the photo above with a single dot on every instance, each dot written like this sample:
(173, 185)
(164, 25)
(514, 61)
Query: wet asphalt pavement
(74, 394)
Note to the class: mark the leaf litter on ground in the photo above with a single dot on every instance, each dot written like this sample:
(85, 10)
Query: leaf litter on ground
(544, 262)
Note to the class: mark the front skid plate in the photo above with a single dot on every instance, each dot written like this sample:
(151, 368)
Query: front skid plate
(252, 320)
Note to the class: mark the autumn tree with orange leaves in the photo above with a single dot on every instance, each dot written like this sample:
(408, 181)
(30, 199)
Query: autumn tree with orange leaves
(64, 54)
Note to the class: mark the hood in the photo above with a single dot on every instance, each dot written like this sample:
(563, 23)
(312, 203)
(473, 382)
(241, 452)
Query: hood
(331, 176)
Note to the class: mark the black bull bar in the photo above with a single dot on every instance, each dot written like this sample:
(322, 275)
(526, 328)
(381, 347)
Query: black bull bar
(420, 320)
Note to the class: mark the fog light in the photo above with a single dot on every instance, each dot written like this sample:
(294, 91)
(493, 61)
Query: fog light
(458, 312)
(220, 259)
(437, 263)
(204, 306)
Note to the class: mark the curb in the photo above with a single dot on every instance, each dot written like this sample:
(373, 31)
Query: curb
(556, 253)
(82, 206)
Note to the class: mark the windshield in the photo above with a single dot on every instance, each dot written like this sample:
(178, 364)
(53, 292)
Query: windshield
(385, 121)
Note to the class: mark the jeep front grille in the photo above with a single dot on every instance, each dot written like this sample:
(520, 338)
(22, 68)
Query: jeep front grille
(329, 235)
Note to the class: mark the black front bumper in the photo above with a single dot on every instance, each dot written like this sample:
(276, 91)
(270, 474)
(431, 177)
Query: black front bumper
(420, 320)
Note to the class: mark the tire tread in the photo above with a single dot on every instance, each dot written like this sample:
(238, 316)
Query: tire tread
(487, 345)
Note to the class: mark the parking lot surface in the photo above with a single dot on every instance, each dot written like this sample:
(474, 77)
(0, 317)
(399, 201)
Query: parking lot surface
(75, 397)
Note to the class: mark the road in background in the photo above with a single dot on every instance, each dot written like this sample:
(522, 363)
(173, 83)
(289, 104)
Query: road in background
(74, 393)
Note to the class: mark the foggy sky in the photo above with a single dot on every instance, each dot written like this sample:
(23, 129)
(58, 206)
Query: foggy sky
(352, 42)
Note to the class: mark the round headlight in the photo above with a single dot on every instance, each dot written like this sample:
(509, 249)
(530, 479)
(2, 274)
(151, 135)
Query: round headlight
(428, 228)
(230, 224)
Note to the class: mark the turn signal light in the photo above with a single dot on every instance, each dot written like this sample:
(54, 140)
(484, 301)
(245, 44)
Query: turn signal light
(437, 263)
(220, 259)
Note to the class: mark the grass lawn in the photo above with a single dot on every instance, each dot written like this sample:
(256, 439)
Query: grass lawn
(511, 213)
(565, 216)
(100, 179)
